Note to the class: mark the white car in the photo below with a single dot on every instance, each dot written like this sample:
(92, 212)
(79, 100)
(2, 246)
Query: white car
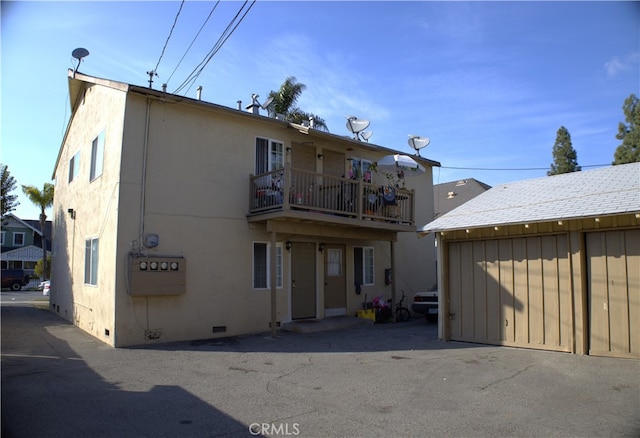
(426, 303)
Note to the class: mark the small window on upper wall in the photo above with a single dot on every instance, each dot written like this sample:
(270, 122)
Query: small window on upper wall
(74, 166)
(18, 239)
(97, 156)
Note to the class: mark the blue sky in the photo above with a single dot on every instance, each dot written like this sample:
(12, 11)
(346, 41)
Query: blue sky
(489, 82)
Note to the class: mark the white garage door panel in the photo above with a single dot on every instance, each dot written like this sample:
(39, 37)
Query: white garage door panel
(511, 292)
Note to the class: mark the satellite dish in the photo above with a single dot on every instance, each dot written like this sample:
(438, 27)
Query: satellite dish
(417, 142)
(79, 53)
(366, 135)
(356, 125)
(267, 102)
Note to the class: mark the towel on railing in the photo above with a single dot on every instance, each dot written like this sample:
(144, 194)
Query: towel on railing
(389, 195)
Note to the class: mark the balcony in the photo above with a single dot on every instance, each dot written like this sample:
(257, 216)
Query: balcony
(300, 194)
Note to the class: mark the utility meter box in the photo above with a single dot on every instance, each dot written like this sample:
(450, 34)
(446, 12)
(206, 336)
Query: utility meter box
(157, 275)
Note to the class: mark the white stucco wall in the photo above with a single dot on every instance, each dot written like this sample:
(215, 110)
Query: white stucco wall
(95, 204)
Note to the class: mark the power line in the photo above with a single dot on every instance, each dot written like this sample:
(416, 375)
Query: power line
(194, 40)
(217, 46)
(513, 169)
(153, 72)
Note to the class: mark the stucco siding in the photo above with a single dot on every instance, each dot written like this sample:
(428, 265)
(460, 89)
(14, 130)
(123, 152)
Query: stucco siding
(94, 204)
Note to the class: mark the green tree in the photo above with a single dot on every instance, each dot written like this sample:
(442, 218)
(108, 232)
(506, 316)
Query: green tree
(43, 199)
(8, 185)
(629, 133)
(565, 157)
(284, 102)
(39, 270)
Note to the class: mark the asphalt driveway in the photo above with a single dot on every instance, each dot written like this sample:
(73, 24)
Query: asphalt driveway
(378, 380)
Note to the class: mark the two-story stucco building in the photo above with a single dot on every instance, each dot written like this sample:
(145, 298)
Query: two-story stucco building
(179, 219)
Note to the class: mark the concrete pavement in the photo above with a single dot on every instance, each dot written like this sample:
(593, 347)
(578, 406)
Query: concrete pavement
(371, 380)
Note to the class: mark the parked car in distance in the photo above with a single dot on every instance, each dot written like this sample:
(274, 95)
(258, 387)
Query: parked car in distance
(46, 287)
(14, 279)
(426, 303)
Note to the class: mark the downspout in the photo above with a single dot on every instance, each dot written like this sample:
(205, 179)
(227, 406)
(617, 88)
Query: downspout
(273, 273)
(145, 150)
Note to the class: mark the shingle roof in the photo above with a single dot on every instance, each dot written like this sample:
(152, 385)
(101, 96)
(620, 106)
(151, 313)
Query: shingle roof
(600, 192)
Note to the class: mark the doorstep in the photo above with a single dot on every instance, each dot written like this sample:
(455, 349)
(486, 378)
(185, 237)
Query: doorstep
(322, 325)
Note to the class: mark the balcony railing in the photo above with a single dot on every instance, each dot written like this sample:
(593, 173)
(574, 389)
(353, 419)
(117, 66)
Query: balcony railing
(295, 189)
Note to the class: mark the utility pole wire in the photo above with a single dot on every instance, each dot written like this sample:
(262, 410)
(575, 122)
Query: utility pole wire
(518, 168)
(217, 46)
(194, 40)
(169, 37)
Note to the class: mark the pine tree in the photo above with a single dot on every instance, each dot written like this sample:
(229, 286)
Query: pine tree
(8, 185)
(629, 133)
(565, 157)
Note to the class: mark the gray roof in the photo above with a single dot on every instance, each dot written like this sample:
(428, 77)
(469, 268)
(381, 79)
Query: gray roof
(600, 192)
(450, 195)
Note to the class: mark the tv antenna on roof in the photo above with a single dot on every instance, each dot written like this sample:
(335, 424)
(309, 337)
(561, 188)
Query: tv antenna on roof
(417, 142)
(366, 135)
(356, 126)
(79, 53)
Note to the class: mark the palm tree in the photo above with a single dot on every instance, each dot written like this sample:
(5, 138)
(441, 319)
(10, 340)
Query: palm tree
(284, 101)
(44, 200)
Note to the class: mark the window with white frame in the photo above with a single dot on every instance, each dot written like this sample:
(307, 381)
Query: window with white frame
(363, 266)
(262, 265)
(18, 239)
(74, 166)
(269, 155)
(91, 262)
(97, 156)
(360, 169)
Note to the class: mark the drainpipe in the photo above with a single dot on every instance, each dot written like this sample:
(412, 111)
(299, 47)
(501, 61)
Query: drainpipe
(145, 151)
(274, 315)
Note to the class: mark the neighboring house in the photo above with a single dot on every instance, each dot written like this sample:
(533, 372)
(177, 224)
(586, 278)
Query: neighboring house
(22, 244)
(450, 195)
(179, 219)
(550, 263)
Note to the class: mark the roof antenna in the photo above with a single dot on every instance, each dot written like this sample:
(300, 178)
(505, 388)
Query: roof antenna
(79, 53)
(151, 74)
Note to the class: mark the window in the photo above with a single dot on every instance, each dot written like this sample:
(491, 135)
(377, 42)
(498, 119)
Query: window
(74, 166)
(91, 262)
(363, 266)
(360, 169)
(18, 239)
(97, 156)
(269, 155)
(262, 267)
(334, 262)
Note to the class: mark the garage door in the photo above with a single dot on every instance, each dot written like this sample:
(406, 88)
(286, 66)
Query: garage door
(613, 259)
(511, 292)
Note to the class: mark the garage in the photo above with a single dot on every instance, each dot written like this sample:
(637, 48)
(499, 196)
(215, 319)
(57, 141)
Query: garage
(550, 263)
(511, 292)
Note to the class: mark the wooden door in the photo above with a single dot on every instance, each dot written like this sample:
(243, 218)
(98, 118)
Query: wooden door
(303, 280)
